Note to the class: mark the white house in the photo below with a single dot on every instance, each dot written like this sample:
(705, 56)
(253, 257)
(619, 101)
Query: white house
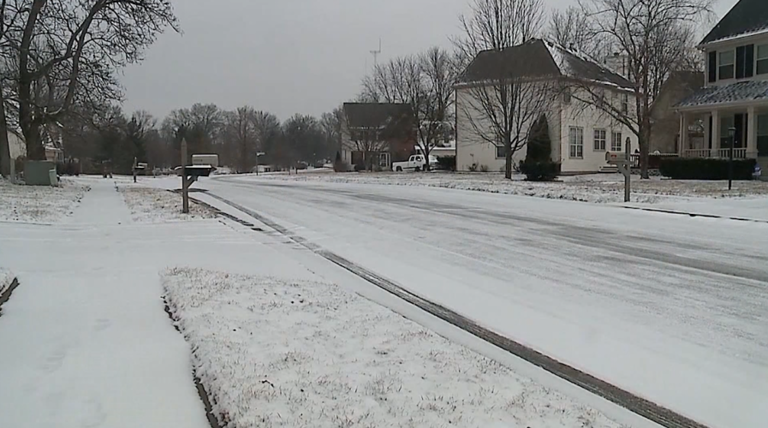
(580, 133)
(734, 99)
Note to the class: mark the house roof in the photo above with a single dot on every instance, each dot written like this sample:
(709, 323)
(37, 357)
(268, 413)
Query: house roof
(755, 90)
(539, 58)
(375, 115)
(747, 18)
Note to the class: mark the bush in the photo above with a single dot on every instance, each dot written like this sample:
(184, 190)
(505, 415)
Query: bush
(706, 168)
(446, 163)
(484, 168)
(539, 170)
(538, 165)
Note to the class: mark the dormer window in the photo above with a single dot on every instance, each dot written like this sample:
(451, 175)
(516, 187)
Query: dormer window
(726, 65)
(762, 59)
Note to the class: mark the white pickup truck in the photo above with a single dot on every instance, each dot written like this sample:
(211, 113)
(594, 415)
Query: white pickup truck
(415, 163)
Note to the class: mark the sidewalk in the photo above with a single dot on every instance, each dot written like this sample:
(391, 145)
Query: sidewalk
(85, 341)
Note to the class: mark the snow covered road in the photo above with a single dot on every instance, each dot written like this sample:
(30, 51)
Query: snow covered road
(669, 307)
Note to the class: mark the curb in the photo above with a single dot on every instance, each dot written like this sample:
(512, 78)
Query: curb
(7, 294)
(213, 421)
(684, 213)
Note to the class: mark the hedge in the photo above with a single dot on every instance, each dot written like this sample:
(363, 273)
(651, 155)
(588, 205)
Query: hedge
(706, 168)
(539, 170)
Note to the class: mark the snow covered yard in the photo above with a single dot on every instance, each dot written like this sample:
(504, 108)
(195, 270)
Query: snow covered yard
(598, 188)
(305, 354)
(40, 204)
(153, 205)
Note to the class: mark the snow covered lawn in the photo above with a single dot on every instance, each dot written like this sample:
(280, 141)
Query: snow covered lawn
(40, 204)
(304, 354)
(600, 188)
(152, 205)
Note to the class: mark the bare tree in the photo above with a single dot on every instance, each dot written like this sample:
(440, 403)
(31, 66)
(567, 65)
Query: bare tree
(64, 51)
(502, 103)
(439, 75)
(330, 122)
(656, 37)
(571, 29)
(497, 24)
(240, 131)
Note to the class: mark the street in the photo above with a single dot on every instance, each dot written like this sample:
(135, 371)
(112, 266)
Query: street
(669, 307)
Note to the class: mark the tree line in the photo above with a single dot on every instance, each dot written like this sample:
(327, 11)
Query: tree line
(238, 136)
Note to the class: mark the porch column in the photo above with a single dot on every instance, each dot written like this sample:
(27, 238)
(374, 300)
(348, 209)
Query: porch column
(683, 139)
(707, 130)
(715, 134)
(751, 133)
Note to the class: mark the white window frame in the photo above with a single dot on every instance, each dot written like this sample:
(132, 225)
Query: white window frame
(576, 142)
(759, 59)
(732, 64)
(503, 151)
(599, 139)
(616, 143)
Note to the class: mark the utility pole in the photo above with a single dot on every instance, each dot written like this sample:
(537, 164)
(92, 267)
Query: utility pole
(184, 182)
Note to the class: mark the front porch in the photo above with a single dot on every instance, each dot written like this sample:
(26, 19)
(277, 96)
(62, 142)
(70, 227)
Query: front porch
(743, 128)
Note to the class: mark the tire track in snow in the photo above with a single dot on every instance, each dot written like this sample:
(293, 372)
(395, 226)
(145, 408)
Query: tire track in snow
(638, 405)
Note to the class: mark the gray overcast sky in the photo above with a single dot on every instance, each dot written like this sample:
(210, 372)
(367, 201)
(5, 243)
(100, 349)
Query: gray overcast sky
(286, 56)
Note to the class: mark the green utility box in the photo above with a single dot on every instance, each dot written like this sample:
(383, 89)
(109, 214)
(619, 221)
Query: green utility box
(38, 173)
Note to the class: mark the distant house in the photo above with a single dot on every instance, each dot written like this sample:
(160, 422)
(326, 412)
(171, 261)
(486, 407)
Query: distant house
(580, 133)
(374, 135)
(665, 135)
(735, 95)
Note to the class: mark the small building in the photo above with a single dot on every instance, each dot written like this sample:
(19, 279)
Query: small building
(376, 134)
(733, 104)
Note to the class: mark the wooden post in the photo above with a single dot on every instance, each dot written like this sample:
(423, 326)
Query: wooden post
(184, 182)
(628, 173)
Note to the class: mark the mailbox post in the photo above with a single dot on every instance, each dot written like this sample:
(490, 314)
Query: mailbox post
(624, 164)
(184, 181)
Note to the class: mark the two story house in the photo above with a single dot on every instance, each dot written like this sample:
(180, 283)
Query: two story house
(580, 133)
(733, 104)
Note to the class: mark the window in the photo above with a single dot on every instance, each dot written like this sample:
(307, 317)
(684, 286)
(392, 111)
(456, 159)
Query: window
(500, 152)
(616, 141)
(762, 59)
(383, 160)
(567, 95)
(599, 140)
(576, 137)
(726, 65)
(625, 104)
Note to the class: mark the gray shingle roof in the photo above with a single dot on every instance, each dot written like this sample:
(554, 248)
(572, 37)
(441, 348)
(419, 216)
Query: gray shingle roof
(735, 92)
(539, 58)
(747, 17)
(375, 115)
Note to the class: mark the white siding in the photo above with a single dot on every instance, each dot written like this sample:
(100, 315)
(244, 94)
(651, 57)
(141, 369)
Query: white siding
(471, 149)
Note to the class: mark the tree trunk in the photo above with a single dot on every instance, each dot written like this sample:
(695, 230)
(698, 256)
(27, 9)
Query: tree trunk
(5, 150)
(643, 141)
(508, 152)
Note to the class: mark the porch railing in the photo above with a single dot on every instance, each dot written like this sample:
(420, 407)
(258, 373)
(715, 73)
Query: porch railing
(738, 153)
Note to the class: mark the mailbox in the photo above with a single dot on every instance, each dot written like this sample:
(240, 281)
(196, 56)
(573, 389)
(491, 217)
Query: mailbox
(195, 171)
(615, 158)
